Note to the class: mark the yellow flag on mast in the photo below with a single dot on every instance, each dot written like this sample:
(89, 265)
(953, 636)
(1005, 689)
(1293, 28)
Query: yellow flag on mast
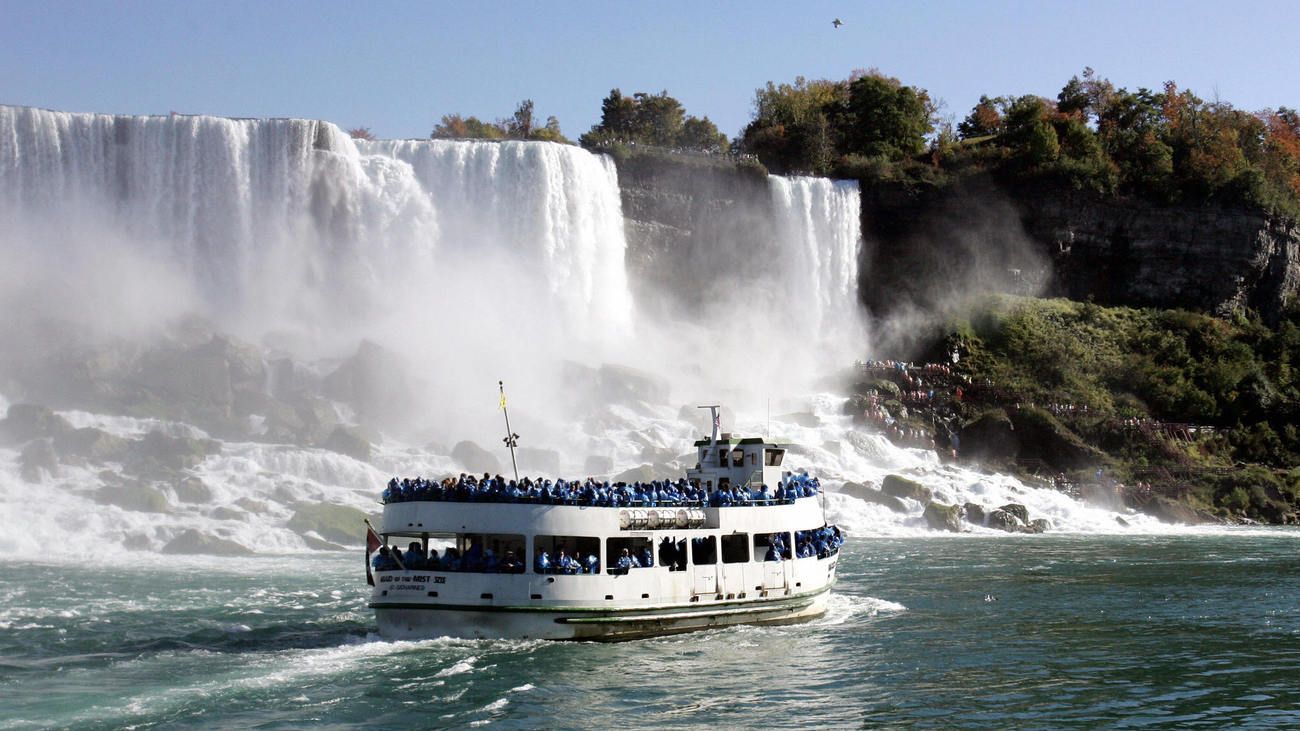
(503, 397)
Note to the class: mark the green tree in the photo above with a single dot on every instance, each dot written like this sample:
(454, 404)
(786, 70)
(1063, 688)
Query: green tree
(885, 118)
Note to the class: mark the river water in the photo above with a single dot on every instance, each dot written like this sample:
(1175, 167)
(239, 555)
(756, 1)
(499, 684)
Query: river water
(1177, 630)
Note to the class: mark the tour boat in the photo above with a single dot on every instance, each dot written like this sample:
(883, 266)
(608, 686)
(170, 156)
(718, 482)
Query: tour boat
(570, 565)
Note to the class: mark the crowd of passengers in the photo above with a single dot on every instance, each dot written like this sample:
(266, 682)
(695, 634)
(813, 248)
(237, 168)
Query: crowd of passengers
(596, 493)
(476, 558)
(819, 542)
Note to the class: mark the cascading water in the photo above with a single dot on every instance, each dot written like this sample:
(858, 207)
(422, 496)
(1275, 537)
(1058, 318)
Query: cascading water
(473, 259)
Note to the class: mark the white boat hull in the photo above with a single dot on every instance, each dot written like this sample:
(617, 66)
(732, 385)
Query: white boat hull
(424, 621)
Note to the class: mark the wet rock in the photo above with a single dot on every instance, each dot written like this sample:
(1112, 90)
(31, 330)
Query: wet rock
(942, 517)
(901, 487)
(990, 436)
(225, 513)
(873, 496)
(975, 513)
(136, 542)
(1003, 520)
(337, 523)
(257, 507)
(1039, 525)
(1017, 510)
(598, 465)
(159, 455)
(90, 445)
(644, 473)
(1120, 519)
(375, 382)
(1172, 511)
(618, 384)
(191, 489)
(192, 542)
(135, 496)
(25, 422)
(349, 441)
(39, 460)
(475, 458)
(316, 420)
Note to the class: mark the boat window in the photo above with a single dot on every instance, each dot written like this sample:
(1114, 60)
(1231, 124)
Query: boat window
(753, 459)
(566, 555)
(778, 542)
(722, 458)
(489, 553)
(773, 457)
(735, 548)
(670, 551)
(704, 551)
(738, 458)
(639, 554)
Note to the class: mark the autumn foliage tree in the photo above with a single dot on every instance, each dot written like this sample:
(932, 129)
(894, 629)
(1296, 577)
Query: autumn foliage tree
(652, 119)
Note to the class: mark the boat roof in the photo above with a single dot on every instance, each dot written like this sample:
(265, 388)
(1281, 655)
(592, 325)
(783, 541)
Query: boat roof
(734, 441)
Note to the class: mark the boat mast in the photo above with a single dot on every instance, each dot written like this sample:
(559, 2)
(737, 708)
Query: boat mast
(511, 438)
(717, 422)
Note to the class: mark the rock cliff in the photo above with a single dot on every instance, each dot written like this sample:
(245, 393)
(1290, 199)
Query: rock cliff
(926, 249)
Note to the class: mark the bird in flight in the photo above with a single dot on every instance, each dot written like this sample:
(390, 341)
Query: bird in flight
(836, 23)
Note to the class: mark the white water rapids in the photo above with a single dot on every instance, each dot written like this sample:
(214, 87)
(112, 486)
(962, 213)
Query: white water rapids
(476, 261)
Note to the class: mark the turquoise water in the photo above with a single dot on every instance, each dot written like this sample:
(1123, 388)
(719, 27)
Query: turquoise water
(1085, 631)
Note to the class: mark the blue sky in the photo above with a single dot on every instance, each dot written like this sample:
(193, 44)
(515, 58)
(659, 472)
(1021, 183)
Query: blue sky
(398, 67)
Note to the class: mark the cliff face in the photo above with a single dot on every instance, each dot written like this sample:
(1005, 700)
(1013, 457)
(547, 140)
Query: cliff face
(676, 217)
(925, 251)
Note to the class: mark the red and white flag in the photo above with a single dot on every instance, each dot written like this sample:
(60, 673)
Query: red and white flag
(373, 543)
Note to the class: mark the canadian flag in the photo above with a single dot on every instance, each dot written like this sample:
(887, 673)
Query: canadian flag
(373, 543)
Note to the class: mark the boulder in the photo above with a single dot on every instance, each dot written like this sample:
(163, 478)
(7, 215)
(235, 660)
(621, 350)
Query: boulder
(644, 473)
(159, 455)
(1172, 511)
(25, 422)
(224, 513)
(136, 496)
(598, 465)
(91, 445)
(192, 542)
(348, 440)
(1003, 520)
(902, 487)
(617, 384)
(1039, 525)
(1120, 519)
(475, 458)
(256, 507)
(873, 496)
(535, 461)
(337, 523)
(942, 517)
(39, 459)
(190, 489)
(375, 382)
(990, 436)
(975, 513)
(1017, 510)
(316, 420)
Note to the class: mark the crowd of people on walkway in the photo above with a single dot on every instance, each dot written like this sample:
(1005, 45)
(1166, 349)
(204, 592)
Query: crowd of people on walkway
(596, 493)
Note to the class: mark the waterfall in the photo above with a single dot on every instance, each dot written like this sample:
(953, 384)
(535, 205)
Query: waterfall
(818, 235)
(287, 223)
